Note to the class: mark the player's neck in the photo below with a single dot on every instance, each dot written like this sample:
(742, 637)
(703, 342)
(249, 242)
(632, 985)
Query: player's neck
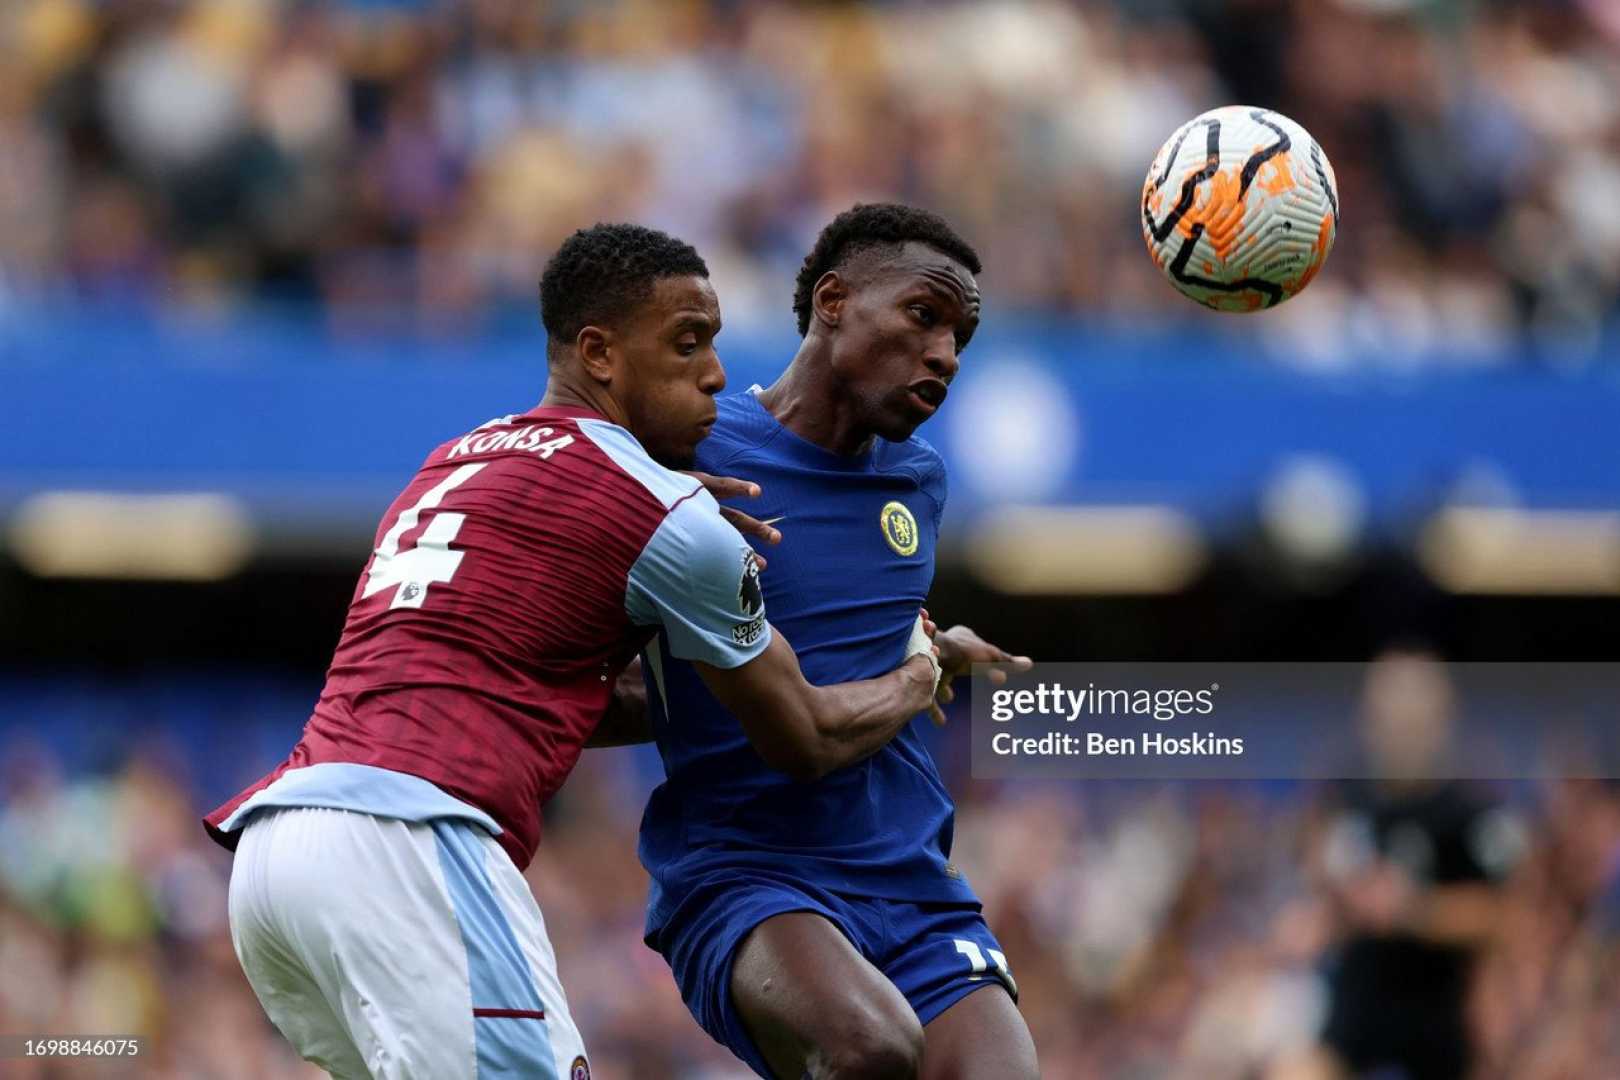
(560, 391)
(807, 401)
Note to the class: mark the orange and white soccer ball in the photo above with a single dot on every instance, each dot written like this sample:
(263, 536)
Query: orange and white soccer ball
(1240, 208)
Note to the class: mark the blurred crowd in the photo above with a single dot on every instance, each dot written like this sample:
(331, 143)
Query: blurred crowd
(425, 156)
(1157, 932)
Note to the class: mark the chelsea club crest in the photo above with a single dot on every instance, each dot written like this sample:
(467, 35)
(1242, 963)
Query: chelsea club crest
(899, 528)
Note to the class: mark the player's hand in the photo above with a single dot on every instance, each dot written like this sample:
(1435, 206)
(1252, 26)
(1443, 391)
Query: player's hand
(960, 648)
(729, 487)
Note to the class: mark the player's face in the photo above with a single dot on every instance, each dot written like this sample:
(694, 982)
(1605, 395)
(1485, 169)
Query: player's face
(900, 334)
(670, 372)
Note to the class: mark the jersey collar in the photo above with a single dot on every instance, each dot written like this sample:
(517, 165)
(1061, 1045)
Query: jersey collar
(804, 451)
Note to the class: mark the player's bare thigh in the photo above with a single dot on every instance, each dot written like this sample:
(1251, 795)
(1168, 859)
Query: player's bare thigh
(981, 1037)
(814, 1006)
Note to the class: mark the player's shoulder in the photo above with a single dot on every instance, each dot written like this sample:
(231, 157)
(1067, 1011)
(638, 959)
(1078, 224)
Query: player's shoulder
(699, 565)
(635, 466)
(577, 446)
(742, 414)
(916, 457)
(534, 436)
(741, 424)
(697, 537)
(917, 453)
(688, 530)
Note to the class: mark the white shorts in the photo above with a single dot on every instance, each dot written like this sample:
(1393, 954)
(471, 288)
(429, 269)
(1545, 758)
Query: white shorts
(385, 948)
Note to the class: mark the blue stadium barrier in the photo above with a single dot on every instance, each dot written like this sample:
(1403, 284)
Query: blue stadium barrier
(313, 428)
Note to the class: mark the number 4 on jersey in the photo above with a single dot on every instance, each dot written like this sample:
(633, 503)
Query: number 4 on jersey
(431, 560)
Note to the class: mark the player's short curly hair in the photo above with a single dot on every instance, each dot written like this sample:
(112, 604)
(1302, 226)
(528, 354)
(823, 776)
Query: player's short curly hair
(869, 225)
(601, 273)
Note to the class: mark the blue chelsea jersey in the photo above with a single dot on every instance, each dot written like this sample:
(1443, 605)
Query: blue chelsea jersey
(855, 563)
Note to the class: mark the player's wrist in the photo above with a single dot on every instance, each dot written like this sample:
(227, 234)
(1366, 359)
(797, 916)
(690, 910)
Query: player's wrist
(921, 678)
(922, 643)
(950, 655)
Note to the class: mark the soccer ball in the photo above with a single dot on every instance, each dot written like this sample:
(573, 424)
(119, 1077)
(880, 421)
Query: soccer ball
(1240, 208)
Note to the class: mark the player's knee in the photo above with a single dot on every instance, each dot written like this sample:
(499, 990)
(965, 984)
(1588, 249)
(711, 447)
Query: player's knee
(873, 1046)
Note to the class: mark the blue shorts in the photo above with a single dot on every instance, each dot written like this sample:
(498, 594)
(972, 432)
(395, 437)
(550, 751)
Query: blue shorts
(935, 953)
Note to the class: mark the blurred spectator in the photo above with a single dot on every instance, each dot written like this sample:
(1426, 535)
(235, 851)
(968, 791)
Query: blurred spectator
(1412, 866)
(426, 157)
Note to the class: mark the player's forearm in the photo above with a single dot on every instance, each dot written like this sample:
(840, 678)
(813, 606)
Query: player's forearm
(808, 731)
(852, 721)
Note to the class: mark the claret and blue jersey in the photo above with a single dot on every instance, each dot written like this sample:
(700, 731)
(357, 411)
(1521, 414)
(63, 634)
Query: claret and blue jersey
(844, 586)
(513, 579)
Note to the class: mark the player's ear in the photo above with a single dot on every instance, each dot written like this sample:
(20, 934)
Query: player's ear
(594, 345)
(827, 298)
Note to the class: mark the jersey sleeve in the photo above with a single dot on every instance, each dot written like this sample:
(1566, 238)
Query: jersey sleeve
(698, 579)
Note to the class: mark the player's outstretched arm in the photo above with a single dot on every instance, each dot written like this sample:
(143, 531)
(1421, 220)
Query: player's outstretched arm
(698, 581)
(808, 731)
